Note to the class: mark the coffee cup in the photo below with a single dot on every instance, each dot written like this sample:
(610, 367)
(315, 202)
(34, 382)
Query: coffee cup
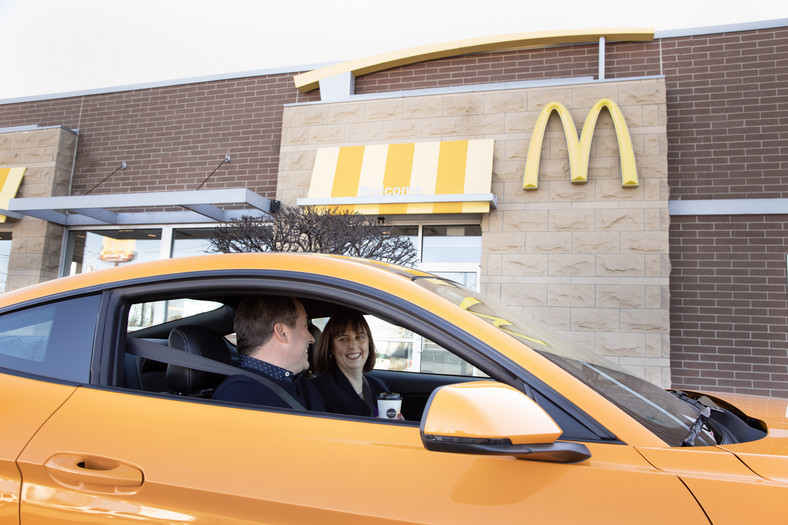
(389, 406)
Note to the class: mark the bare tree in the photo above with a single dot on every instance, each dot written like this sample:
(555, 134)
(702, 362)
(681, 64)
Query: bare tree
(309, 229)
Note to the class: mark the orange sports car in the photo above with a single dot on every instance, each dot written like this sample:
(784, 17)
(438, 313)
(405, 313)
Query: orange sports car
(105, 422)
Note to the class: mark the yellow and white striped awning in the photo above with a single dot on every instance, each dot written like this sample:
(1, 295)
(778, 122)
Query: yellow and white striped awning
(391, 179)
(10, 179)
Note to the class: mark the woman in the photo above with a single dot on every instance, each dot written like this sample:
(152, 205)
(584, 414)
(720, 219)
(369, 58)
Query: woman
(344, 353)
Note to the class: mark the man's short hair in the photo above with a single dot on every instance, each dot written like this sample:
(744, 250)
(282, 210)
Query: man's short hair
(256, 316)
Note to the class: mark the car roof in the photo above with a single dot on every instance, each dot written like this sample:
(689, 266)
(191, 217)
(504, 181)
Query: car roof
(334, 265)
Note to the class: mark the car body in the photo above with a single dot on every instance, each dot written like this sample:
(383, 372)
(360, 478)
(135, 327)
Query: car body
(539, 431)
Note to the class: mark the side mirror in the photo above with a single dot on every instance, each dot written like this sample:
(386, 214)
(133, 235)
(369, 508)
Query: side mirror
(486, 417)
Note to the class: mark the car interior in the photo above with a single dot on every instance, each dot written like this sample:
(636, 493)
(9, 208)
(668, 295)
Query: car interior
(209, 334)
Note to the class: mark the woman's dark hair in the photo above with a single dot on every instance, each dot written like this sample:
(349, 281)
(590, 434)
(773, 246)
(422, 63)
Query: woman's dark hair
(338, 324)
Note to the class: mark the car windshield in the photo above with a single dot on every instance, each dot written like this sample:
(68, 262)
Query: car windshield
(661, 412)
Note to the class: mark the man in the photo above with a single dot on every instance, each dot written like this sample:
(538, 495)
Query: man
(273, 338)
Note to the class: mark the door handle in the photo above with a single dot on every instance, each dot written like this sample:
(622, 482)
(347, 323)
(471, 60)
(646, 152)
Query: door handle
(92, 472)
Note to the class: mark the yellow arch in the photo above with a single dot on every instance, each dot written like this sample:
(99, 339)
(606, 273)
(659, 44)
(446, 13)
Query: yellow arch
(308, 81)
(580, 150)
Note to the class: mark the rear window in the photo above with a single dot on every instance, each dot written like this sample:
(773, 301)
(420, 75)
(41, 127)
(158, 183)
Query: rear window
(53, 340)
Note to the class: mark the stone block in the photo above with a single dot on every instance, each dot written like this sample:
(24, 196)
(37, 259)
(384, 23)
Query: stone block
(595, 319)
(402, 129)
(553, 318)
(297, 160)
(345, 113)
(385, 110)
(524, 294)
(572, 265)
(464, 104)
(503, 242)
(516, 150)
(620, 265)
(365, 132)
(621, 296)
(329, 134)
(525, 220)
(641, 93)
(596, 242)
(538, 99)
(291, 117)
(619, 219)
(295, 136)
(645, 320)
(645, 242)
(422, 107)
(571, 220)
(521, 123)
(506, 101)
(564, 190)
(549, 242)
(442, 126)
(620, 344)
(524, 264)
(570, 295)
(612, 190)
(483, 124)
(313, 116)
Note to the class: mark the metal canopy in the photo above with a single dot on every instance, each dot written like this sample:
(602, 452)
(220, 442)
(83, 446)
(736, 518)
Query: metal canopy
(94, 210)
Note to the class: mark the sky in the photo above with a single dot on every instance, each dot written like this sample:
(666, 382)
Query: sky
(62, 46)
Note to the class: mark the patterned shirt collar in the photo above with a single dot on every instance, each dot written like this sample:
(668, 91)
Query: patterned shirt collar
(261, 367)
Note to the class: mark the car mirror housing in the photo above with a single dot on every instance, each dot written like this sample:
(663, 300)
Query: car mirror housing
(485, 417)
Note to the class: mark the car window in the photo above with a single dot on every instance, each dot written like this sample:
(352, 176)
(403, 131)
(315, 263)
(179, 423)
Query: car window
(400, 349)
(144, 315)
(53, 340)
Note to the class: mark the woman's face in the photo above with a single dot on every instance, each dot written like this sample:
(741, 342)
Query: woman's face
(351, 348)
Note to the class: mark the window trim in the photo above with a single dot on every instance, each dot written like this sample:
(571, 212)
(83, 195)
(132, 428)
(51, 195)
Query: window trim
(340, 291)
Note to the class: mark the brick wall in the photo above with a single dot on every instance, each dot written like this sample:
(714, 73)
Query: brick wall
(729, 310)
(727, 115)
(172, 137)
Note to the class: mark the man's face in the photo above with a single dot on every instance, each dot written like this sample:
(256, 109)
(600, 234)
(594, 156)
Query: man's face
(299, 342)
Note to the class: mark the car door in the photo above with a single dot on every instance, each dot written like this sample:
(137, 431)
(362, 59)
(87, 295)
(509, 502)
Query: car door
(45, 350)
(24, 406)
(128, 457)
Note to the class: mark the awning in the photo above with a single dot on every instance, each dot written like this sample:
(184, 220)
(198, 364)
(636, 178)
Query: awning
(198, 207)
(10, 179)
(391, 179)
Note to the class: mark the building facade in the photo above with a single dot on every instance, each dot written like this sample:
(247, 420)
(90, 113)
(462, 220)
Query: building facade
(671, 262)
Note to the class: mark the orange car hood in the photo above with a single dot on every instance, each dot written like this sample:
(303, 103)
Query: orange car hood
(767, 457)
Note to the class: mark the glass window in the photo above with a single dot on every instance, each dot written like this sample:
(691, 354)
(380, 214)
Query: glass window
(53, 340)
(191, 241)
(143, 315)
(98, 249)
(456, 244)
(403, 350)
(5, 254)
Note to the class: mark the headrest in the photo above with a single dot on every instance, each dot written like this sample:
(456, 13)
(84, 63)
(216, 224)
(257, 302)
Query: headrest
(198, 341)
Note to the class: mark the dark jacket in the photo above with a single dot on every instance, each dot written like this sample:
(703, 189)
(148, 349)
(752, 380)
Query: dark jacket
(244, 389)
(339, 396)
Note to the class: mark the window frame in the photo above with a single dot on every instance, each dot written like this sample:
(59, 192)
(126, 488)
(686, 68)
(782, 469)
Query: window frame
(337, 291)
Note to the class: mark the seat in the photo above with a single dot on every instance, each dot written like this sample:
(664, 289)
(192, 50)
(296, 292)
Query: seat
(145, 374)
(200, 341)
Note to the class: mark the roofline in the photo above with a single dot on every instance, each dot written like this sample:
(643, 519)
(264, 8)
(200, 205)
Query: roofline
(362, 66)
(672, 33)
